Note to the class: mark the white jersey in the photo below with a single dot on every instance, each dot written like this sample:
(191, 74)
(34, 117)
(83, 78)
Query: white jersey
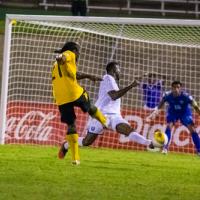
(104, 101)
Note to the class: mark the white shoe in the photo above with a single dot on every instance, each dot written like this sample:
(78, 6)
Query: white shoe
(123, 139)
(152, 148)
(155, 149)
(164, 151)
(76, 162)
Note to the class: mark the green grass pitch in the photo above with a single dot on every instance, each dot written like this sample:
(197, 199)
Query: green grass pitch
(35, 173)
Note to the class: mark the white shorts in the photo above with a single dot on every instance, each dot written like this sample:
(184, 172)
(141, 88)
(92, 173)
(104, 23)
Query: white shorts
(96, 127)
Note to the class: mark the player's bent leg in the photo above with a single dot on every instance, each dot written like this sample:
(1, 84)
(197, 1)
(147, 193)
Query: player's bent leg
(94, 128)
(68, 117)
(94, 112)
(89, 139)
(124, 130)
(127, 130)
(82, 141)
(84, 103)
(168, 134)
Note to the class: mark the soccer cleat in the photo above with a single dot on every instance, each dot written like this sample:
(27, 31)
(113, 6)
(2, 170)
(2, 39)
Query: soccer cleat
(62, 152)
(164, 151)
(152, 148)
(198, 154)
(76, 162)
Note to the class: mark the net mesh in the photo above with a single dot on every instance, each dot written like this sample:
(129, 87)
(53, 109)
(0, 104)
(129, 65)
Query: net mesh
(170, 51)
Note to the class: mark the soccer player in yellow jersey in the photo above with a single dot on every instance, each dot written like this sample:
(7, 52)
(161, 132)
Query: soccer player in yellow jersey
(69, 94)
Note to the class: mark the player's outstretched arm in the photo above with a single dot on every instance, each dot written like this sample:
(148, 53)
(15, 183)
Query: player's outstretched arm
(81, 75)
(195, 106)
(116, 94)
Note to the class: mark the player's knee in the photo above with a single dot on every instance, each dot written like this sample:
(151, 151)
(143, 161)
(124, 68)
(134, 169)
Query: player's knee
(87, 142)
(92, 110)
(89, 139)
(129, 130)
(71, 129)
(124, 129)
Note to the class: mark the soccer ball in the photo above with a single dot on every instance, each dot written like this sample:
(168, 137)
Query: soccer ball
(160, 139)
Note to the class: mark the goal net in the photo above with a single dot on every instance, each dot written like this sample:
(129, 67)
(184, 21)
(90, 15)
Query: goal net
(167, 49)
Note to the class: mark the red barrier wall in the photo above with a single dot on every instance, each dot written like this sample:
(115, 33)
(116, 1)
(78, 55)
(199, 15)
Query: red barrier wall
(35, 123)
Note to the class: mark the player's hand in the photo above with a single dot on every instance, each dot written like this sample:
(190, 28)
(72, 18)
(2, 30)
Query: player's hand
(59, 59)
(135, 83)
(153, 115)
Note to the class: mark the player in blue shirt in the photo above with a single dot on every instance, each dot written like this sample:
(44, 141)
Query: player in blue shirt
(152, 90)
(179, 108)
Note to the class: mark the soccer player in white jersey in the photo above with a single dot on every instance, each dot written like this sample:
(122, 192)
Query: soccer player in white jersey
(109, 103)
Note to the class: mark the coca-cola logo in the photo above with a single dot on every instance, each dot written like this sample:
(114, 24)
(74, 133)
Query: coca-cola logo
(32, 125)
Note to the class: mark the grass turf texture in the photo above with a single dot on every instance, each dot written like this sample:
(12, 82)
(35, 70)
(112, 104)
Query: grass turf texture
(32, 172)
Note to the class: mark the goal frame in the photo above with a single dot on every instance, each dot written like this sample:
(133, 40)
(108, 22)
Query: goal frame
(7, 44)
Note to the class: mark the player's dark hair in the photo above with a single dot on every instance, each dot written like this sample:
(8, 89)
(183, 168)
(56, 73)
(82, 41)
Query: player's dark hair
(176, 83)
(68, 46)
(111, 65)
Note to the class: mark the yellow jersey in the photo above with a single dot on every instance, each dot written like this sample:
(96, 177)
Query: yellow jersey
(65, 86)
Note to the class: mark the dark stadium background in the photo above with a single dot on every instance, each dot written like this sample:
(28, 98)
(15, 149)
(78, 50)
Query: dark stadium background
(35, 7)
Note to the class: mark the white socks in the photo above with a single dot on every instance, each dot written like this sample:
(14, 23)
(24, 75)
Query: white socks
(135, 137)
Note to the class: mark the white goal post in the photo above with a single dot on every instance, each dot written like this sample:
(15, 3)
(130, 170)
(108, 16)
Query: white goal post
(167, 48)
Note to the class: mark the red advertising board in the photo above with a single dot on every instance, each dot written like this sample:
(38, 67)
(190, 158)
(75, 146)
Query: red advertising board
(34, 123)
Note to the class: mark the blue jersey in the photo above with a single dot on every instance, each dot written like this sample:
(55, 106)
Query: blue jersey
(179, 108)
(152, 93)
